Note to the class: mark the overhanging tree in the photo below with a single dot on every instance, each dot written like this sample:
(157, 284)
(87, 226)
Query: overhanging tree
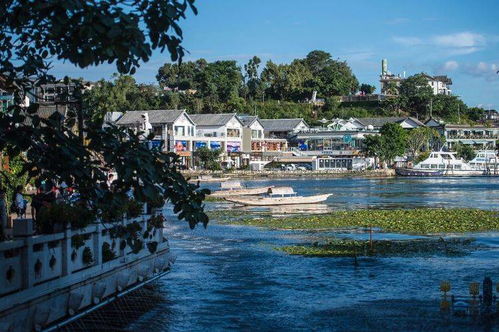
(32, 33)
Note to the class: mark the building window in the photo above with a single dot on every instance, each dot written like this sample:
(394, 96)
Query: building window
(256, 133)
(233, 132)
(179, 131)
(157, 130)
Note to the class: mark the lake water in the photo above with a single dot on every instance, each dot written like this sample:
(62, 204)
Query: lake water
(230, 277)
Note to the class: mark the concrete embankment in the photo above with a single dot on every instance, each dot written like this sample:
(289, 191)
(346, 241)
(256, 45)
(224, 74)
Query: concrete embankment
(239, 174)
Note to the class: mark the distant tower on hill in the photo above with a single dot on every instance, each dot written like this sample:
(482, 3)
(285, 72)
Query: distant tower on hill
(388, 81)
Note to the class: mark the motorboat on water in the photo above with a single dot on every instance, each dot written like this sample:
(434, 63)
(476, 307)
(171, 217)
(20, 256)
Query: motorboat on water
(234, 188)
(279, 196)
(442, 163)
(486, 161)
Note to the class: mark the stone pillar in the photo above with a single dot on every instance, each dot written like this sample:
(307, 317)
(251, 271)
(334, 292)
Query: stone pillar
(28, 264)
(97, 244)
(66, 252)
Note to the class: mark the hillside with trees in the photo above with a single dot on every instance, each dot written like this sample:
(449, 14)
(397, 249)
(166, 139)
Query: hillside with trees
(273, 90)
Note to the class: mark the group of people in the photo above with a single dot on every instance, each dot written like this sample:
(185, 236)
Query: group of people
(46, 193)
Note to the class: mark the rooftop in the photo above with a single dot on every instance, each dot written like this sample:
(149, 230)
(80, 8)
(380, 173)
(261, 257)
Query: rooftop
(247, 120)
(281, 124)
(379, 122)
(155, 116)
(212, 119)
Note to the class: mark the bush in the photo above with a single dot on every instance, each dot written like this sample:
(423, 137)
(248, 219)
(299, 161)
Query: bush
(134, 208)
(107, 253)
(87, 256)
(59, 215)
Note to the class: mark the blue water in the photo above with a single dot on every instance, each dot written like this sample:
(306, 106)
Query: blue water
(230, 277)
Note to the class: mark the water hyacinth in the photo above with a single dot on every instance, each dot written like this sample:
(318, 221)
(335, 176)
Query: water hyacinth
(408, 221)
(403, 248)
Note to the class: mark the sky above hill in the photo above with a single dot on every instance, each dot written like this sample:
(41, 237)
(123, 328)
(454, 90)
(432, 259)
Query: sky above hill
(456, 38)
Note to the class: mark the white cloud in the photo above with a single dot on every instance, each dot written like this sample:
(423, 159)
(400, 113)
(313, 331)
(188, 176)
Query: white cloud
(450, 65)
(452, 44)
(459, 40)
(484, 70)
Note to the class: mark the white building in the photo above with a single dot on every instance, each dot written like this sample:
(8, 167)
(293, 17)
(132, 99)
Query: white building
(440, 84)
(220, 131)
(256, 145)
(173, 129)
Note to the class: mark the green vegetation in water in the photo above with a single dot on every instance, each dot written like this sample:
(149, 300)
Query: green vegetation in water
(209, 198)
(403, 248)
(413, 221)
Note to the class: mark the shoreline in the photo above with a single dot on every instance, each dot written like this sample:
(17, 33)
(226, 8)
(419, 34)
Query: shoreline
(238, 174)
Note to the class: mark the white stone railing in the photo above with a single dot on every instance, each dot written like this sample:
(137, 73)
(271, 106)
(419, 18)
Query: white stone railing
(39, 259)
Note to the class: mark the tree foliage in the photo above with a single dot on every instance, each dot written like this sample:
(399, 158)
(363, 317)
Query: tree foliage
(209, 158)
(422, 139)
(415, 94)
(391, 142)
(464, 151)
(367, 88)
(121, 95)
(89, 33)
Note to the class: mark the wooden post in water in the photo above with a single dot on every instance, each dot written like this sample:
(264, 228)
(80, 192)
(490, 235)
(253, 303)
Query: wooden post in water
(371, 237)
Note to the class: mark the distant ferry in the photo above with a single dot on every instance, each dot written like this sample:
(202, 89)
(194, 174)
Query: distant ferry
(447, 164)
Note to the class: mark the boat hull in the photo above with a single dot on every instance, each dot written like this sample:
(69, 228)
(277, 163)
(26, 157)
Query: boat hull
(418, 173)
(272, 201)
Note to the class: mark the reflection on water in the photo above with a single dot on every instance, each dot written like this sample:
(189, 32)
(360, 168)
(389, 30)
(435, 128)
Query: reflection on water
(230, 277)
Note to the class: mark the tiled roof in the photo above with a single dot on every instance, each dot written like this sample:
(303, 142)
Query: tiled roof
(379, 122)
(45, 111)
(280, 124)
(212, 119)
(247, 120)
(155, 116)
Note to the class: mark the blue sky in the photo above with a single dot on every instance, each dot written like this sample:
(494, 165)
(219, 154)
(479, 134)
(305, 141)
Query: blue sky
(457, 38)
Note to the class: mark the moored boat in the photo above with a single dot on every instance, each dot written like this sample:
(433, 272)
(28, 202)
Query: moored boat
(441, 163)
(418, 172)
(279, 196)
(208, 178)
(234, 188)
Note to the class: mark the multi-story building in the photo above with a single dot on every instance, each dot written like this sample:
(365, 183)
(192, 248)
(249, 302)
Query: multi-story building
(220, 131)
(439, 84)
(173, 129)
(479, 137)
(339, 145)
(256, 145)
(57, 92)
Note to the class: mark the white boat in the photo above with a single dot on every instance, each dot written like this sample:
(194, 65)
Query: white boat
(448, 163)
(279, 196)
(234, 188)
(208, 178)
(486, 161)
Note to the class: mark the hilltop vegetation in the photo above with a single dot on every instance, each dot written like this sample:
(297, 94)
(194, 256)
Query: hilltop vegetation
(273, 91)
